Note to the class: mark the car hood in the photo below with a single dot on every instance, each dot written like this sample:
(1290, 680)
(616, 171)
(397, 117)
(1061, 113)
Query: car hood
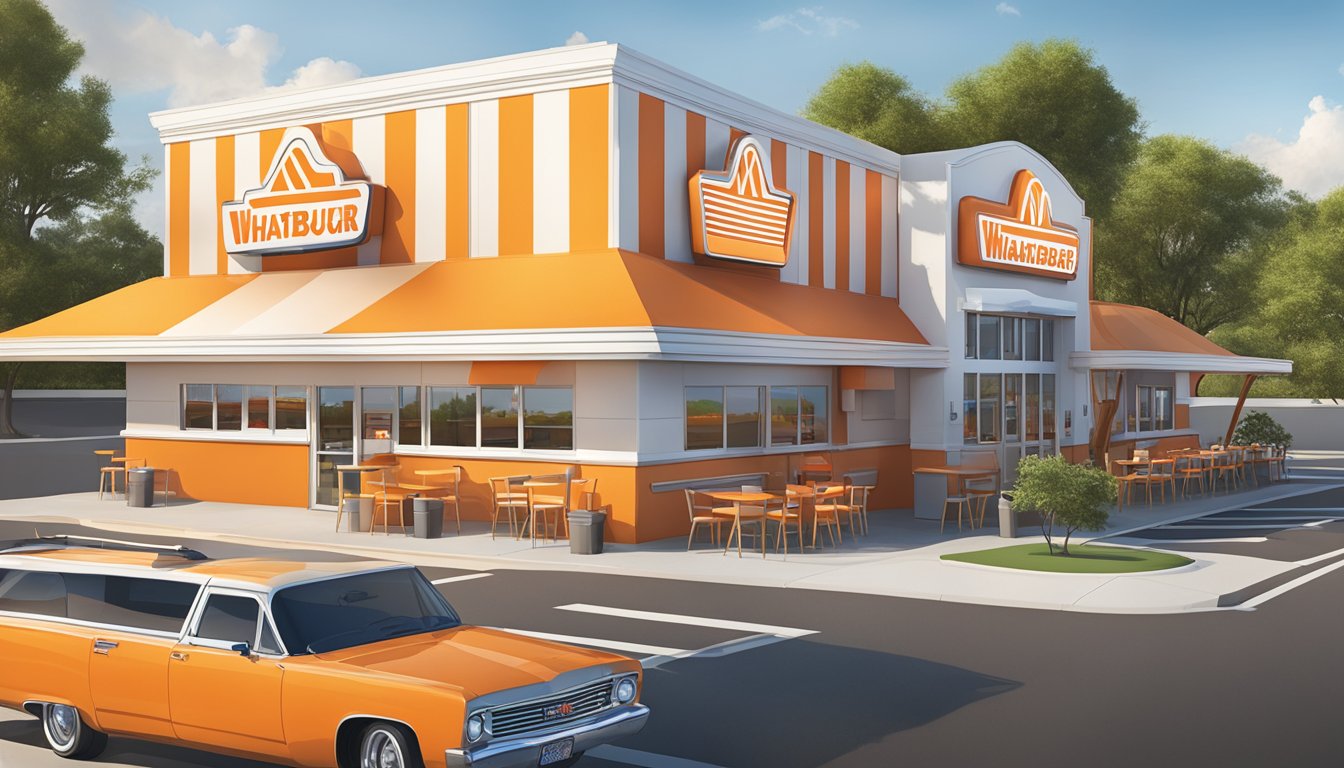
(477, 659)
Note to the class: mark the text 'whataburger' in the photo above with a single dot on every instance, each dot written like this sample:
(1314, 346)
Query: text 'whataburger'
(305, 204)
(1020, 235)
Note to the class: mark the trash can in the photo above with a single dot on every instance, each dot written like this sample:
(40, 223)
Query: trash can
(358, 512)
(428, 517)
(140, 487)
(1007, 520)
(585, 531)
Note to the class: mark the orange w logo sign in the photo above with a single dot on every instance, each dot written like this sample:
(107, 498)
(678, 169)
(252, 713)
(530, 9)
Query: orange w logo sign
(304, 204)
(1020, 236)
(739, 214)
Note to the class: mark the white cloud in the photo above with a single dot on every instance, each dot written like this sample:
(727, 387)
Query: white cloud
(143, 52)
(1313, 162)
(808, 21)
(578, 38)
(1004, 9)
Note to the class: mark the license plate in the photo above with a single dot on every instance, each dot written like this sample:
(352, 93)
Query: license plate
(556, 751)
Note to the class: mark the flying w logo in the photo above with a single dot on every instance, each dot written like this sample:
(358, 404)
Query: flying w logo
(739, 214)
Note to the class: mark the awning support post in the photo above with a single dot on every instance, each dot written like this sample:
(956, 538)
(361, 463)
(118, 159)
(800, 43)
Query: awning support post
(1236, 412)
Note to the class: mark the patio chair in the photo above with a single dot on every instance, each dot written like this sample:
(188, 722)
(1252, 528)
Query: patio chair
(112, 471)
(744, 515)
(963, 504)
(507, 496)
(788, 513)
(1191, 470)
(1162, 472)
(705, 514)
(827, 508)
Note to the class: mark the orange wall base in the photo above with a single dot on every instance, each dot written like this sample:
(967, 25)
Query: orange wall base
(242, 473)
(277, 475)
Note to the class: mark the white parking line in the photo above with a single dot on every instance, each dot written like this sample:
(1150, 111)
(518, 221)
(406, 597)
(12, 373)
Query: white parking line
(1275, 517)
(628, 756)
(694, 621)
(1320, 558)
(1230, 540)
(1281, 526)
(718, 650)
(1293, 509)
(615, 645)
(467, 577)
(1265, 597)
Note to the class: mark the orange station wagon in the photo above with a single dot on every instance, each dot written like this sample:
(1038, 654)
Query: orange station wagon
(348, 665)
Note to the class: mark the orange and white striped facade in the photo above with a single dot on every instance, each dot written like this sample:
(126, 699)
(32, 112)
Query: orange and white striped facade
(566, 150)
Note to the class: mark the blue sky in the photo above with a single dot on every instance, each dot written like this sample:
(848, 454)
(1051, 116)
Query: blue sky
(1266, 79)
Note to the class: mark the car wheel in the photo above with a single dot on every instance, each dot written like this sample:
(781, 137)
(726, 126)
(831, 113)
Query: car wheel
(68, 735)
(388, 745)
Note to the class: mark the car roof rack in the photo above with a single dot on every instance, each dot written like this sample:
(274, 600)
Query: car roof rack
(63, 541)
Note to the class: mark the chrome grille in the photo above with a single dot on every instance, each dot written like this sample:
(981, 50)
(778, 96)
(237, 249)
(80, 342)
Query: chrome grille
(531, 716)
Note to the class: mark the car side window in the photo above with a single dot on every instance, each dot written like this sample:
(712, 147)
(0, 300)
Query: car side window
(33, 592)
(267, 643)
(229, 619)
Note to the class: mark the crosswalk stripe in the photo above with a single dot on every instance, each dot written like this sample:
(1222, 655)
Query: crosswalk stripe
(1265, 597)
(695, 621)
(467, 577)
(1293, 509)
(615, 645)
(1252, 527)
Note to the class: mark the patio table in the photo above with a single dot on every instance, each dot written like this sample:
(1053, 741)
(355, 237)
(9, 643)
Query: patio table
(737, 499)
(932, 510)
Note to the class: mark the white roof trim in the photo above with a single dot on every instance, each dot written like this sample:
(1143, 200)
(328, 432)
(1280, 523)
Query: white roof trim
(634, 343)
(1140, 360)
(532, 72)
(1017, 301)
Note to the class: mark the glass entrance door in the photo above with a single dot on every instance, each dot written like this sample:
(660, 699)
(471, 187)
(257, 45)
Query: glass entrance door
(335, 440)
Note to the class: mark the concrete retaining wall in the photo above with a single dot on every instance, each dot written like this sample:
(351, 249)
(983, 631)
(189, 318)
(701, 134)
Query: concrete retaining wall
(1316, 425)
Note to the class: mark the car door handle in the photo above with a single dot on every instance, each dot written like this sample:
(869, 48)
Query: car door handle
(103, 646)
(177, 656)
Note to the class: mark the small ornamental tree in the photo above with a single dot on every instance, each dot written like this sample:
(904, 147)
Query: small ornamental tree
(1076, 497)
(1259, 428)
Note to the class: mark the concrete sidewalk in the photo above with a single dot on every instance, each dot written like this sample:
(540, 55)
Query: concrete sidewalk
(900, 557)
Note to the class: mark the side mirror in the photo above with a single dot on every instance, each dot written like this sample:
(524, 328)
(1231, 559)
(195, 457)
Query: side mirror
(242, 649)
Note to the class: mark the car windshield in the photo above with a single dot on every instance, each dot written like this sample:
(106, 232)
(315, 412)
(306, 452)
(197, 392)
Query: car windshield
(355, 610)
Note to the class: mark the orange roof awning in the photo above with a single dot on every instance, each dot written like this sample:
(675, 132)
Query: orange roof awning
(608, 304)
(1125, 336)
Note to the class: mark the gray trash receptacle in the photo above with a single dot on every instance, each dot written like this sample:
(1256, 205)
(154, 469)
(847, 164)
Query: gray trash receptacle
(140, 487)
(1007, 520)
(428, 517)
(358, 511)
(585, 531)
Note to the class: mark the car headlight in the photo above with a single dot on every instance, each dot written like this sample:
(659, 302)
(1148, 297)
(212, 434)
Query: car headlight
(625, 690)
(475, 727)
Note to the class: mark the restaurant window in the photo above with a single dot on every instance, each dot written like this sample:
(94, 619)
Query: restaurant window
(259, 407)
(1048, 406)
(1012, 338)
(378, 408)
(969, 435)
(1032, 412)
(742, 406)
(704, 418)
(291, 408)
(499, 417)
(198, 406)
(452, 416)
(783, 415)
(1031, 338)
(548, 418)
(1012, 403)
(1154, 406)
(1048, 340)
(989, 337)
(989, 405)
(812, 415)
(228, 407)
(409, 418)
(972, 341)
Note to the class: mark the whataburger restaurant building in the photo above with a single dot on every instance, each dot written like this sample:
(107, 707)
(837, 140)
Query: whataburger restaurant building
(583, 257)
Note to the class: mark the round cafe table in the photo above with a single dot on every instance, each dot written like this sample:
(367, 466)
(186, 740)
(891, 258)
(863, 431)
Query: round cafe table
(737, 499)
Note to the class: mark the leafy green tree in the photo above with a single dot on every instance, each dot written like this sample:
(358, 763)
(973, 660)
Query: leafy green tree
(1297, 309)
(1259, 428)
(1056, 99)
(56, 160)
(877, 105)
(1189, 232)
(1074, 496)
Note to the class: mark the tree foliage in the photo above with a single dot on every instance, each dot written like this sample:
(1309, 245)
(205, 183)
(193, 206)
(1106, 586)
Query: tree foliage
(1055, 98)
(1259, 428)
(877, 105)
(1297, 307)
(1074, 496)
(1189, 232)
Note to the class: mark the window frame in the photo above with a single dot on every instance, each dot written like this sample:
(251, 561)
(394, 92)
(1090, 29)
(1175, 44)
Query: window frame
(522, 417)
(192, 625)
(765, 398)
(183, 409)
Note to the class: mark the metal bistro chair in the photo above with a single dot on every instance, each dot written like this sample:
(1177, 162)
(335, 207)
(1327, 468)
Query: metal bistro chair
(826, 510)
(548, 503)
(789, 512)
(1162, 472)
(1191, 470)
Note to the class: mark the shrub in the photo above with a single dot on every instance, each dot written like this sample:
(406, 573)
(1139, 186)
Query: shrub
(1260, 427)
(1075, 496)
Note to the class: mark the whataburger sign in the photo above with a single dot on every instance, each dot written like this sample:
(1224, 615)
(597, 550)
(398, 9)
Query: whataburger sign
(305, 204)
(1020, 236)
(738, 214)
